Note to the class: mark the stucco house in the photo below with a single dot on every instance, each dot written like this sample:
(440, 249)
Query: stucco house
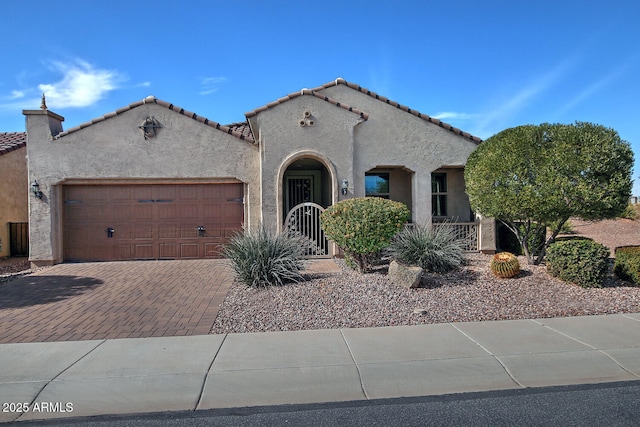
(14, 196)
(152, 180)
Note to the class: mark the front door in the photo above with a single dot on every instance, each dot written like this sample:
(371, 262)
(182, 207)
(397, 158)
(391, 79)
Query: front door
(301, 187)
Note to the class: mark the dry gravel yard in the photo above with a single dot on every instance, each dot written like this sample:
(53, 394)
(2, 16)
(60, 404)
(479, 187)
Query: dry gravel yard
(10, 268)
(352, 300)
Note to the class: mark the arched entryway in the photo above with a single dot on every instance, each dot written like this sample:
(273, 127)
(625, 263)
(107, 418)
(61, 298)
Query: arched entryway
(306, 188)
(306, 180)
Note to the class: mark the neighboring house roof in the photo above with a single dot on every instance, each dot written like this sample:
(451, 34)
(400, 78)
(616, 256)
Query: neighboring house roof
(302, 92)
(153, 100)
(10, 141)
(243, 128)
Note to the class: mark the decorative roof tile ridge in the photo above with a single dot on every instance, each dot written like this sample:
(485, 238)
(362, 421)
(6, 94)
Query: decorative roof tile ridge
(313, 92)
(416, 113)
(154, 100)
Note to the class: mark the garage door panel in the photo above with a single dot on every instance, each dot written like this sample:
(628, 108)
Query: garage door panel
(189, 250)
(168, 231)
(186, 211)
(143, 232)
(76, 212)
(167, 211)
(121, 194)
(166, 192)
(212, 230)
(188, 231)
(150, 221)
(144, 251)
(142, 211)
(125, 252)
(168, 250)
(119, 212)
(141, 192)
(212, 250)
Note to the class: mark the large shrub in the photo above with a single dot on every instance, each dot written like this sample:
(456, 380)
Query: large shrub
(363, 226)
(436, 249)
(261, 257)
(627, 264)
(583, 262)
(531, 176)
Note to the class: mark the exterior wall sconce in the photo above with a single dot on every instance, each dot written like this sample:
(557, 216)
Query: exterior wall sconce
(35, 189)
(345, 187)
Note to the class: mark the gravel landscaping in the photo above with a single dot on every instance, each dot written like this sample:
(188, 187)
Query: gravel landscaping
(12, 268)
(352, 300)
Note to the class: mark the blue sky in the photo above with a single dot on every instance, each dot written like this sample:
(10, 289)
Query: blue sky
(482, 66)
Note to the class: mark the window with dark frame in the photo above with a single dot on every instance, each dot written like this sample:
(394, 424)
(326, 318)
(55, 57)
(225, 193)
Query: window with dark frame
(439, 194)
(376, 184)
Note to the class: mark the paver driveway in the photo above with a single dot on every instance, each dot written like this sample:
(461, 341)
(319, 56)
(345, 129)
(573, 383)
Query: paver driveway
(104, 300)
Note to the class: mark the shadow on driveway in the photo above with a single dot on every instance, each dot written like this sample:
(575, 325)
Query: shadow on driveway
(33, 290)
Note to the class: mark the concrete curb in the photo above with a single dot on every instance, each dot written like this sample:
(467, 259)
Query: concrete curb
(138, 375)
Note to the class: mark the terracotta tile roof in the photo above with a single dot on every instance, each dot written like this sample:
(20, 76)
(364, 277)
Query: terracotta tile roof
(10, 141)
(243, 128)
(401, 107)
(154, 100)
(312, 92)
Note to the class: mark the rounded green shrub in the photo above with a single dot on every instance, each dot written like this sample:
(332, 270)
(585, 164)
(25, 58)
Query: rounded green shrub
(627, 264)
(261, 257)
(435, 249)
(583, 262)
(363, 226)
(505, 265)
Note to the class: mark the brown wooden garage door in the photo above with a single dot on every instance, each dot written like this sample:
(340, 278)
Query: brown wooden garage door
(127, 222)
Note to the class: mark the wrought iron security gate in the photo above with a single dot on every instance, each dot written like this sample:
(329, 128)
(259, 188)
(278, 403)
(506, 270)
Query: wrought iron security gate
(304, 219)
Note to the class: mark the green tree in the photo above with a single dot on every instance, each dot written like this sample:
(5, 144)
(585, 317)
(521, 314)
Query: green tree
(537, 177)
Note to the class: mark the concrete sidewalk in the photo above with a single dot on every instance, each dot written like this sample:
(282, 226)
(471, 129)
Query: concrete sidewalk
(136, 375)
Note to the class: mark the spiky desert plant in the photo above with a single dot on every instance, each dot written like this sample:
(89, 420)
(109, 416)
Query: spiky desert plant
(505, 265)
(261, 257)
(436, 249)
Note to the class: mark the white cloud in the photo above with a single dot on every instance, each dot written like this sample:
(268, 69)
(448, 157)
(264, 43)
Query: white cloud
(211, 84)
(592, 89)
(451, 115)
(501, 114)
(16, 94)
(82, 84)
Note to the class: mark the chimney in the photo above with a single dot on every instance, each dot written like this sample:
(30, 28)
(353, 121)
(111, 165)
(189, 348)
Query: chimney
(42, 123)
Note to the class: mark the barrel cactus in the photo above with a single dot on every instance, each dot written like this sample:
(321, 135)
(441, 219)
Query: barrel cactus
(505, 264)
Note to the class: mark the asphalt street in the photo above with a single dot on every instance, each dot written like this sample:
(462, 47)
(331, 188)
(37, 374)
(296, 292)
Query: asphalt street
(610, 404)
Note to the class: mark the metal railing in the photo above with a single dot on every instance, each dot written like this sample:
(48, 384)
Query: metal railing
(304, 220)
(465, 231)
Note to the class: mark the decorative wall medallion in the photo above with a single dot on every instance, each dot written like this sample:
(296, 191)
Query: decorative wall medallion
(149, 127)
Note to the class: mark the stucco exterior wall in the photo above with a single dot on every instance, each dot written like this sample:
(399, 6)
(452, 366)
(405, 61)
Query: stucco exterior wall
(114, 150)
(392, 137)
(14, 194)
(283, 140)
